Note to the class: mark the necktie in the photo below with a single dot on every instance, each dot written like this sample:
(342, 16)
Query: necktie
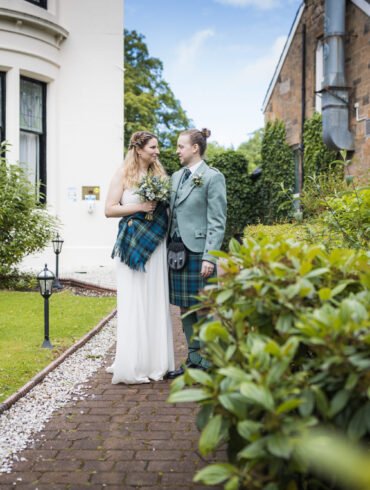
(185, 176)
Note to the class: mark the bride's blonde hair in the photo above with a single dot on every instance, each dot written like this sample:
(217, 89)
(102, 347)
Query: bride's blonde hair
(131, 167)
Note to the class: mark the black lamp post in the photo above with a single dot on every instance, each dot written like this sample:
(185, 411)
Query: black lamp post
(57, 246)
(46, 279)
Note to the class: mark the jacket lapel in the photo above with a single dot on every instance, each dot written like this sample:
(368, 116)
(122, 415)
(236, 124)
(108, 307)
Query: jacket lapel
(175, 187)
(185, 191)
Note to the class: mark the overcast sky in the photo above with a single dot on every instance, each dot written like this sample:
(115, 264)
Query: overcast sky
(218, 55)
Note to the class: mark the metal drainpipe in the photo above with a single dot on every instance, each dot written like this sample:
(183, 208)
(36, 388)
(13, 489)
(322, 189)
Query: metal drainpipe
(303, 107)
(335, 97)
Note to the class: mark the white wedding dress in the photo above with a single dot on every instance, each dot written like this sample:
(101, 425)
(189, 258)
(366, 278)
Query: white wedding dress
(144, 349)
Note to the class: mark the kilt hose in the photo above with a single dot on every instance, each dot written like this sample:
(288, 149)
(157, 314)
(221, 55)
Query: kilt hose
(186, 283)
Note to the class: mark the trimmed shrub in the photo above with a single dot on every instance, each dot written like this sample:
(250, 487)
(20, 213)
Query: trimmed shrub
(301, 232)
(269, 201)
(288, 338)
(169, 160)
(311, 232)
(234, 166)
(318, 158)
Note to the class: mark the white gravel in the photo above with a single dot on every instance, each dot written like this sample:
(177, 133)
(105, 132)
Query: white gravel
(20, 425)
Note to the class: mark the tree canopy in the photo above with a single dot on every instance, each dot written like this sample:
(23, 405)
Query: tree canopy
(149, 102)
(251, 149)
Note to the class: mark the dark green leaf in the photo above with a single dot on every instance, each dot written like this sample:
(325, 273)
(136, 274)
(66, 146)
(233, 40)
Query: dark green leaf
(247, 428)
(212, 330)
(204, 415)
(358, 425)
(215, 473)
(232, 484)
(200, 377)
(308, 403)
(289, 405)
(338, 402)
(224, 296)
(255, 450)
(258, 394)
(279, 445)
(192, 395)
(211, 435)
(235, 403)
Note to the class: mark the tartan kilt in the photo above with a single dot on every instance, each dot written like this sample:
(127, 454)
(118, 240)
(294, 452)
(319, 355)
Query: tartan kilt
(187, 282)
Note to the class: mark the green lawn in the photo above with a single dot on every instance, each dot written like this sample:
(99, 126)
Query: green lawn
(22, 331)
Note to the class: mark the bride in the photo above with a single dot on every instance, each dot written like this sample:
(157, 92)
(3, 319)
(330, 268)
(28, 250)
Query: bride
(144, 349)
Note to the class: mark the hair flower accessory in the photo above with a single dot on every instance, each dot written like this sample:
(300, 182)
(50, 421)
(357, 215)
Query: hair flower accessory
(198, 180)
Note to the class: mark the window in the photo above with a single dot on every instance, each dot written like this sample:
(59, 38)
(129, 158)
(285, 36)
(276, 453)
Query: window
(319, 74)
(32, 151)
(2, 106)
(41, 3)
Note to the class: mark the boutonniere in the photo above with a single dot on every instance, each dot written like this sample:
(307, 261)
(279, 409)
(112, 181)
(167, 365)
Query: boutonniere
(198, 180)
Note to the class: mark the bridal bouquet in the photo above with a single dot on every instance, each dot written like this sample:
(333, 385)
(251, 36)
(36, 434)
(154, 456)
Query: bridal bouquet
(154, 188)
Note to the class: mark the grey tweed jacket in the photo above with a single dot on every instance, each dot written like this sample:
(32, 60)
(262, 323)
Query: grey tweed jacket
(200, 210)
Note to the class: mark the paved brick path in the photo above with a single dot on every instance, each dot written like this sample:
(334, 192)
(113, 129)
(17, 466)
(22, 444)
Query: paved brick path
(119, 437)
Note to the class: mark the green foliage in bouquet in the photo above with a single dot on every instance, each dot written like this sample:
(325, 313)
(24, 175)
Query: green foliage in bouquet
(288, 336)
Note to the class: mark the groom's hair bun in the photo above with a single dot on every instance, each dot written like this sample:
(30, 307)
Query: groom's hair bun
(206, 132)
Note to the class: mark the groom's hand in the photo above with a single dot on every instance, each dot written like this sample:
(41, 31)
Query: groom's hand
(207, 268)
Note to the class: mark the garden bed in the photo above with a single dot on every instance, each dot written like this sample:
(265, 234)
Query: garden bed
(74, 311)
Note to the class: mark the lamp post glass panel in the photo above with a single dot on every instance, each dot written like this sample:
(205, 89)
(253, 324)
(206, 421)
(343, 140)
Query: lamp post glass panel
(46, 279)
(57, 246)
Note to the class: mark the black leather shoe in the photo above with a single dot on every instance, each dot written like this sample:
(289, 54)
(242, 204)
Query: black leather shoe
(174, 374)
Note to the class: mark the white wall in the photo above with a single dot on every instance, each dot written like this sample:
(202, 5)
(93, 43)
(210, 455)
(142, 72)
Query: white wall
(84, 113)
(90, 108)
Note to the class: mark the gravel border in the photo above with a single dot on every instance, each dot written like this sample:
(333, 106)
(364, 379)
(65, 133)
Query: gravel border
(6, 404)
(24, 414)
(20, 424)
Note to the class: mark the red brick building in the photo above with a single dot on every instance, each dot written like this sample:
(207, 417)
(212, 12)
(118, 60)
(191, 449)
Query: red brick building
(300, 82)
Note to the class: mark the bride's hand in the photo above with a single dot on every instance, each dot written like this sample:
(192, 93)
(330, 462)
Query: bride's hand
(149, 206)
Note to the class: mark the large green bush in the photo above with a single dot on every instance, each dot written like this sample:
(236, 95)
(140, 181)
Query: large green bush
(318, 159)
(288, 335)
(170, 160)
(339, 205)
(25, 225)
(269, 201)
(234, 166)
(349, 215)
(317, 189)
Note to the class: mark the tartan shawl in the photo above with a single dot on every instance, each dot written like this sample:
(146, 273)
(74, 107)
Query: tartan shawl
(137, 237)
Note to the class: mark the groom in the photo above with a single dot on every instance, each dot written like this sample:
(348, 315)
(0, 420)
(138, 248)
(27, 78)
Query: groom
(197, 221)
